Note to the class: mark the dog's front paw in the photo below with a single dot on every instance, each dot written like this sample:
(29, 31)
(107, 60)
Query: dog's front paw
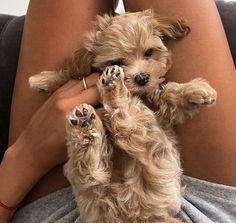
(83, 124)
(112, 80)
(200, 93)
(111, 86)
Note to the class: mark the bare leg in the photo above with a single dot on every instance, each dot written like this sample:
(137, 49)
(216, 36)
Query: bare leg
(208, 139)
(52, 31)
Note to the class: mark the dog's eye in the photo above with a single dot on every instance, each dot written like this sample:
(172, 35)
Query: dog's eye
(148, 52)
(118, 62)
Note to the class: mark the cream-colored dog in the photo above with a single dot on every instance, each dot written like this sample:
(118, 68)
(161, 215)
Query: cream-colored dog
(127, 169)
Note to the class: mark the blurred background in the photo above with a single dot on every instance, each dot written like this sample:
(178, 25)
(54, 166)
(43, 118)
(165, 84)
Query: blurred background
(13, 7)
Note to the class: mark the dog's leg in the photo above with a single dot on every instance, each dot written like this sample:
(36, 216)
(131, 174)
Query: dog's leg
(89, 166)
(48, 81)
(176, 102)
(128, 119)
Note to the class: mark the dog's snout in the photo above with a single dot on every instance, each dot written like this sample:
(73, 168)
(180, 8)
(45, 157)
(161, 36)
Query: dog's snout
(142, 79)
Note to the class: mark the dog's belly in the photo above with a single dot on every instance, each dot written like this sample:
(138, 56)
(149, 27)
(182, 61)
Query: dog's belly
(121, 164)
(136, 196)
(132, 195)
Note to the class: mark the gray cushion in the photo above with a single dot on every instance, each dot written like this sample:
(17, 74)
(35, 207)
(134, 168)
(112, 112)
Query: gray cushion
(227, 12)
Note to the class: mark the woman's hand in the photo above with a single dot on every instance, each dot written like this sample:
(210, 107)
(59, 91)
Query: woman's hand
(41, 146)
(44, 136)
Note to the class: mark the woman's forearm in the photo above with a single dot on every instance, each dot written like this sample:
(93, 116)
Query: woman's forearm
(41, 146)
(18, 173)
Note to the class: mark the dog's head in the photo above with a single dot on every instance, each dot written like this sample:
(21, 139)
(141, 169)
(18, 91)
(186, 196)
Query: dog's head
(133, 41)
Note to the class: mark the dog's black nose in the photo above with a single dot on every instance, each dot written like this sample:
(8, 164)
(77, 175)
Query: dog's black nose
(142, 79)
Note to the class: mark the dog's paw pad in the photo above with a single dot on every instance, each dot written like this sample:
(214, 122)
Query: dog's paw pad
(111, 76)
(82, 116)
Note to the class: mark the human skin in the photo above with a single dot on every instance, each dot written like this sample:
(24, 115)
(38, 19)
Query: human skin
(202, 157)
(208, 140)
(50, 35)
(40, 146)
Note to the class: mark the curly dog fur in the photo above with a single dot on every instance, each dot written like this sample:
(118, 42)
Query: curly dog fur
(127, 168)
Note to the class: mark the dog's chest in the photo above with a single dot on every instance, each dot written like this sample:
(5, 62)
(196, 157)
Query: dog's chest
(121, 163)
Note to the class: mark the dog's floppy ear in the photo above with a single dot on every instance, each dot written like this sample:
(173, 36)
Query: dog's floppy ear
(170, 28)
(82, 60)
(173, 28)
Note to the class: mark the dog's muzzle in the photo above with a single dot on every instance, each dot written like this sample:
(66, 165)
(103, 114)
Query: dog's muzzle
(142, 79)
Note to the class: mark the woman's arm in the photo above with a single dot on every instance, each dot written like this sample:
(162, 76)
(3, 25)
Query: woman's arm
(40, 147)
(18, 173)
(52, 31)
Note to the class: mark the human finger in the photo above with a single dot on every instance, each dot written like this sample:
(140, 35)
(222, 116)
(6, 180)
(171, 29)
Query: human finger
(89, 96)
(77, 86)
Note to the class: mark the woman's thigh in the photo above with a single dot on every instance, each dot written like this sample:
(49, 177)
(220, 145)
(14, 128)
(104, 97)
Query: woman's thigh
(52, 31)
(208, 140)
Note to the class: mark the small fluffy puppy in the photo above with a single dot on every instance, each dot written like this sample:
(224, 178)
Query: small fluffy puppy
(127, 169)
